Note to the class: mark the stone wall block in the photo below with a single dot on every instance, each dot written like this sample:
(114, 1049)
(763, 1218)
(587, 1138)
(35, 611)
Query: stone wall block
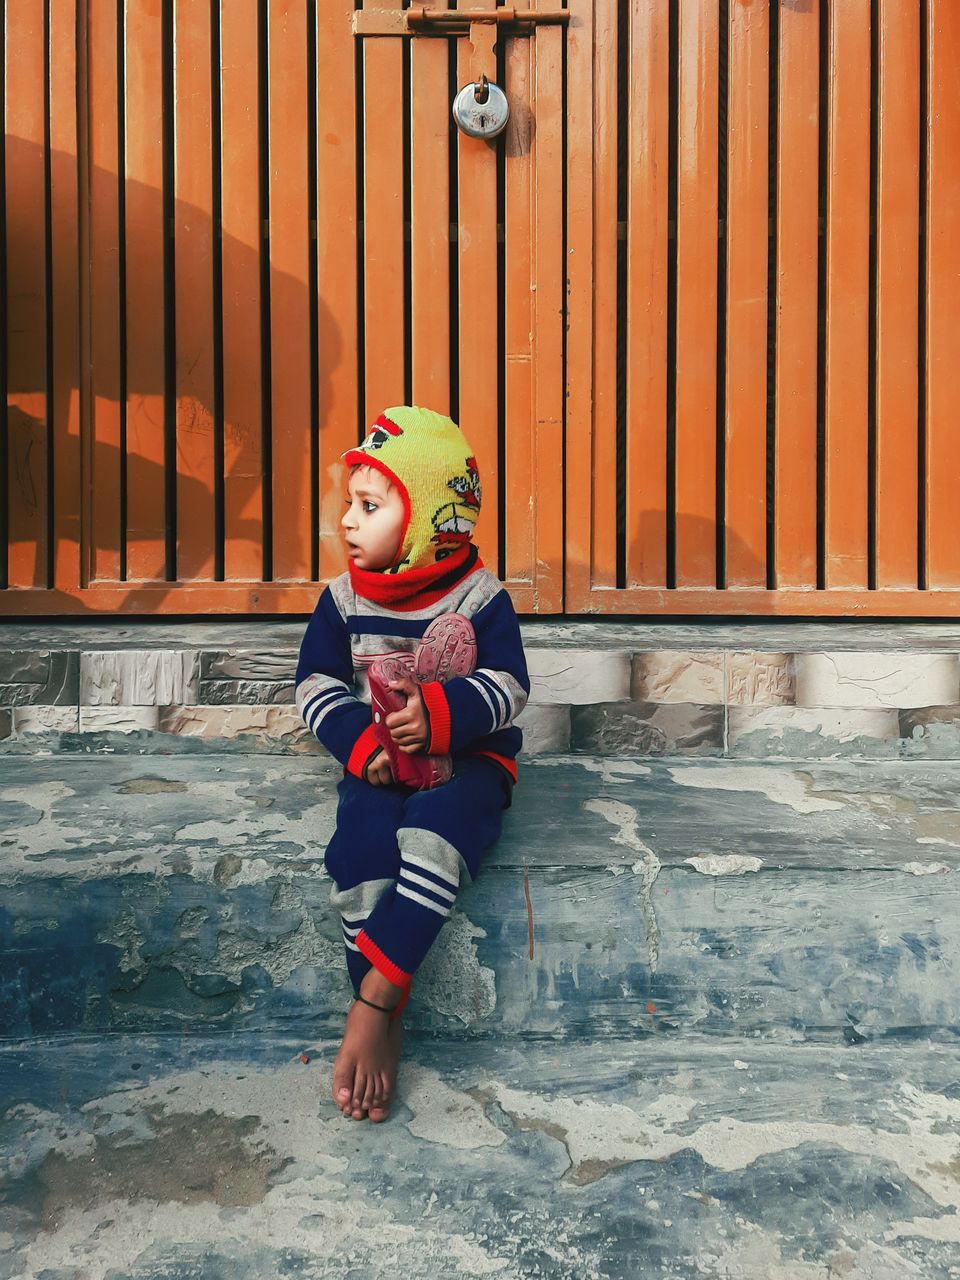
(761, 679)
(274, 723)
(117, 719)
(647, 728)
(137, 677)
(672, 675)
(809, 731)
(579, 676)
(545, 728)
(864, 679)
(45, 719)
(245, 692)
(39, 675)
(278, 665)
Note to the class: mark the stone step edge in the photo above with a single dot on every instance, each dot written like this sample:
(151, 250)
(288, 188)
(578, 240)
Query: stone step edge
(647, 729)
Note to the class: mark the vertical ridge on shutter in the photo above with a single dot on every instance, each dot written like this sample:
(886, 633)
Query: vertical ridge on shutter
(26, 355)
(242, 302)
(44, 560)
(478, 285)
(744, 472)
(168, 121)
(773, 291)
(289, 297)
(603, 456)
(65, 539)
(548, 320)
(383, 283)
(673, 158)
(519, 553)
(796, 355)
(313, 298)
(897, 277)
(723, 226)
(145, 295)
(698, 53)
(193, 160)
(5, 469)
(454, 233)
(579, 487)
(103, 496)
(430, 241)
(339, 266)
(847, 298)
(942, 32)
(617, 483)
(216, 181)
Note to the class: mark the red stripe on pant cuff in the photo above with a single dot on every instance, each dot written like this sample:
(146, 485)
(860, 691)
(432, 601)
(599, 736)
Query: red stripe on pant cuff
(399, 977)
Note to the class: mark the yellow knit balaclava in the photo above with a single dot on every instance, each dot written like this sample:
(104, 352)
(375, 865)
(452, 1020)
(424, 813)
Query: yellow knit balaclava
(426, 455)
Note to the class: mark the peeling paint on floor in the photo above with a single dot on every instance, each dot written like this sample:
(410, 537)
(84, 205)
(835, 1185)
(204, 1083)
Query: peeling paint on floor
(718, 864)
(625, 820)
(788, 788)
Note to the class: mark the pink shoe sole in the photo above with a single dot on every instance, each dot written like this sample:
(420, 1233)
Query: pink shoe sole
(448, 648)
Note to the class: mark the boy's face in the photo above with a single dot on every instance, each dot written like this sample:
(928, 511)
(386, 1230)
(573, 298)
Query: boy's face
(373, 521)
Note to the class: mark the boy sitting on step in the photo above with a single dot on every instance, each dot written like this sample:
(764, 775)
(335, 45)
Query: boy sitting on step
(417, 623)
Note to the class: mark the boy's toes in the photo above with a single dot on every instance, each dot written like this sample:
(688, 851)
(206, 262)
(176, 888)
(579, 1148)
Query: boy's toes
(342, 1085)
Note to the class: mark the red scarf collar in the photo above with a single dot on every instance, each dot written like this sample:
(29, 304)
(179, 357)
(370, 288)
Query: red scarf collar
(415, 588)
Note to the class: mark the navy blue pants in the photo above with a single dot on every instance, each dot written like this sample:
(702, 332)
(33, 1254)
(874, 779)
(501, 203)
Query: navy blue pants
(398, 858)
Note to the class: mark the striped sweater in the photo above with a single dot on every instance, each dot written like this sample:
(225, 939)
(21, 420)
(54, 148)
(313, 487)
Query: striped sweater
(468, 715)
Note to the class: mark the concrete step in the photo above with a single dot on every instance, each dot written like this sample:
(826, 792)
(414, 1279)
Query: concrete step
(653, 899)
(149, 1157)
(886, 689)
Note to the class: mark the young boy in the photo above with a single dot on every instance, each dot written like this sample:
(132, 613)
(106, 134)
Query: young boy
(399, 855)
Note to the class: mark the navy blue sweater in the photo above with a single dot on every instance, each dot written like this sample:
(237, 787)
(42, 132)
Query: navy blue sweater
(468, 714)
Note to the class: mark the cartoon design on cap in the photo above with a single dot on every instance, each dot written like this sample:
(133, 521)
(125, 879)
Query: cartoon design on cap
(380, 433)
(454, 522)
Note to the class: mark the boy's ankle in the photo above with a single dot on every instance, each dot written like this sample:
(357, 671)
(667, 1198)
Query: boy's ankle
(375, 986)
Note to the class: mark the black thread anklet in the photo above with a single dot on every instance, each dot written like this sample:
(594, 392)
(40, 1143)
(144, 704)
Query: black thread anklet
(381, 1007)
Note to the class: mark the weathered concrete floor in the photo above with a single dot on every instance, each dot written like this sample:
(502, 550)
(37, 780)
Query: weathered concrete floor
(624, 898)
(226, 1157)
(750, 971)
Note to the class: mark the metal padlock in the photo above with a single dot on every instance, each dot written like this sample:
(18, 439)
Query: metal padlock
(481, 110)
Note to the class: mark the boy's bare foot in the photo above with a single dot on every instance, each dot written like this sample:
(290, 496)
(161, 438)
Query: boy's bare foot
(395, 1043)
(365, 1070)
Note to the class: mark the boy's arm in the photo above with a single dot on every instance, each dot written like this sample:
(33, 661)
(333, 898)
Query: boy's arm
(324, 689)
(470, 707)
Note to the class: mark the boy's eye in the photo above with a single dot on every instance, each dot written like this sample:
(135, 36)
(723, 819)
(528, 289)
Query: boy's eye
(365, 503)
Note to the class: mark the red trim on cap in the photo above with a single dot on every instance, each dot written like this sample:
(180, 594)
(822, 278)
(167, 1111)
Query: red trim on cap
(399, 977)
(438, 709)
(363, 749)
(392, 428)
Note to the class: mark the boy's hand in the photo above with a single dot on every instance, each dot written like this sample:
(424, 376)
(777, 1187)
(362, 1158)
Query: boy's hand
(378, 771)
(408, 727)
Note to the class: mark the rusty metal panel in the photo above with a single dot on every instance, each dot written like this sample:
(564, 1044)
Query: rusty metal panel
(698, 376)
